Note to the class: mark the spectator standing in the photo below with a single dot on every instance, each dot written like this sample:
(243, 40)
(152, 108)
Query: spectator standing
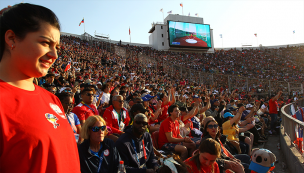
(35, 135)
(273, 111)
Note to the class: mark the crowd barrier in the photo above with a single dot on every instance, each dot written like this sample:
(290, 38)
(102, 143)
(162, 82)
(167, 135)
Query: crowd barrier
(289, 126)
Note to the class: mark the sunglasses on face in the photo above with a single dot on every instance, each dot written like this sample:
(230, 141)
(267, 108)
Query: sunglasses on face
(96, 129)
(143, 123)
(88, 94)
(68, 91)
(120, 101)
(213, 126)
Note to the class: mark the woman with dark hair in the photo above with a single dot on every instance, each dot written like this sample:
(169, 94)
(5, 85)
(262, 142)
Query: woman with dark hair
(34, 132)
(205, 160)
(227, 160)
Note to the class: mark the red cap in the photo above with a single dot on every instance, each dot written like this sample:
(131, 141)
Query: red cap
(121, 162)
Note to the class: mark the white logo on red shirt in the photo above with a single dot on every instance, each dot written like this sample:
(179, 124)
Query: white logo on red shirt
(52, 119)
(106, 152)
(57, 110)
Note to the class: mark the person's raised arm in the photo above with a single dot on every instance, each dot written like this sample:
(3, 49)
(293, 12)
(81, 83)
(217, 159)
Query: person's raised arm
(172, 91)
(206, 107)
(277, 96)
(237, 116)
(193, 112)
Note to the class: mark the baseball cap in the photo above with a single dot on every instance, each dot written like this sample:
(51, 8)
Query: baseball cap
(249, 106)
(145, 99)
(228, 114)
(88, 81)
(149, 96)
(195, 96)
(99, 83)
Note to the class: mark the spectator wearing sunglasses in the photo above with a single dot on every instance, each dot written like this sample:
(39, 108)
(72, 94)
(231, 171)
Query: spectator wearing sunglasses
(85, 108)
(116, 116)
(135, 147)
(237, 162)
(97, 153)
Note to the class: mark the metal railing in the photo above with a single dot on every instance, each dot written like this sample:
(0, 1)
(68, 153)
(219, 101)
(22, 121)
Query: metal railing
(289, 124)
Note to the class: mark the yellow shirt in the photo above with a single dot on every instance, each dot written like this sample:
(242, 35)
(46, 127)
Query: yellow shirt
(230, 131)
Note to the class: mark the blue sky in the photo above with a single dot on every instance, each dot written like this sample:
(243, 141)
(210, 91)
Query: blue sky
(237, 20)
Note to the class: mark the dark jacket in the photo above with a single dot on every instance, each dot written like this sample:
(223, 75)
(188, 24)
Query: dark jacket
(89, 162)
(127, 153)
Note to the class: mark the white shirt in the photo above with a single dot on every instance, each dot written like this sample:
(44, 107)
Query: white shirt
(105, 98)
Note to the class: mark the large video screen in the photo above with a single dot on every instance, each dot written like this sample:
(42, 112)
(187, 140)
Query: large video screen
(182, 34)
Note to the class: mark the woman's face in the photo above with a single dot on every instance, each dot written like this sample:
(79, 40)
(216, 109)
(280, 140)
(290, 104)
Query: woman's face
(146, 103)
(35, 54)
(211, 128)
(97, 136)
(207, 159)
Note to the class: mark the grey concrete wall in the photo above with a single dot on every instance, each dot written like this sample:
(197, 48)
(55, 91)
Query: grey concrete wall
(293, 157)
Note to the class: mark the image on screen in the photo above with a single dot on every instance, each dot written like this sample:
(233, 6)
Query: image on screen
(189, 35)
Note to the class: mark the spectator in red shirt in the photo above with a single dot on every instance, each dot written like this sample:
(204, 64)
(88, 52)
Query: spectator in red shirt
(205, 160)
(116, 116)
(273, 111)
(170, 138)
(166, 103)
(86, 108)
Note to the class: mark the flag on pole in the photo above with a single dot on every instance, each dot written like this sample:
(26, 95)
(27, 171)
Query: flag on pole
(161, 10)
(81, 22)
(189, 14)
(68, 66)
(221, 35)
(294, 31)
(196, 14)
(255, 34)
(129, 31)
(170, 12)
(181, 4)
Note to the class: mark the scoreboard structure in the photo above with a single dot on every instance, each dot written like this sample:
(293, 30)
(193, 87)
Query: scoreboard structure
(182, 33)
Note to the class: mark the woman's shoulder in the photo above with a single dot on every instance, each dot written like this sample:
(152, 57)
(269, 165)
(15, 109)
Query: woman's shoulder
(109, 142)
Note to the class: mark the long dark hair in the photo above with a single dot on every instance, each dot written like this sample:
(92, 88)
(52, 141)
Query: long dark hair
(205, 132)
(210, 146)
(24, 18)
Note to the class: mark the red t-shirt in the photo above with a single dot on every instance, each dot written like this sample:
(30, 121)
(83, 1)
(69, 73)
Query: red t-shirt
(187, 121)
(193, 168)
(84, 111)
(152, 115)
(35, 135)
(273, 107)
(168, 126)
(164, 113)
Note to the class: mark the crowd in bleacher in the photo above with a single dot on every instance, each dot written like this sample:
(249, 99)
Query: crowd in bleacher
(102, 108)
(178, 115)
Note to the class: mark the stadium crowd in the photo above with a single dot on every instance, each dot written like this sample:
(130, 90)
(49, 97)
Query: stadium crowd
(100, 110)
(148, 114)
